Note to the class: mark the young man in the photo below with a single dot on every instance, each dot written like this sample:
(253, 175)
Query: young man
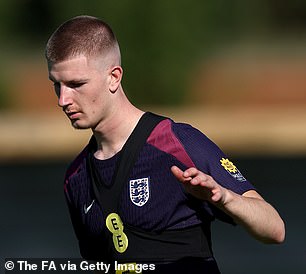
(179, 182)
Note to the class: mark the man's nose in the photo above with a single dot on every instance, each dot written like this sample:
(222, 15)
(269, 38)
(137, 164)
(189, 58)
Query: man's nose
(64, 98)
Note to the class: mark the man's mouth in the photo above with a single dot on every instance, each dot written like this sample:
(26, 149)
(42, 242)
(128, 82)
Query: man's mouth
(72, 115)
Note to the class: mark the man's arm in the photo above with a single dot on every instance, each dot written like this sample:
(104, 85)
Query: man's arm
(250, 210)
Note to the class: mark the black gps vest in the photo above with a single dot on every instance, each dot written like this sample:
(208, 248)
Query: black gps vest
(131, 244)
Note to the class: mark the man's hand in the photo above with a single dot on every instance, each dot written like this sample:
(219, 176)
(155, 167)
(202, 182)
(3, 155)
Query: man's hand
(250, 210)
(200, 185)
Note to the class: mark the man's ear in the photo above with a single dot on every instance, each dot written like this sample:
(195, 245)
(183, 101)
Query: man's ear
(116, 76)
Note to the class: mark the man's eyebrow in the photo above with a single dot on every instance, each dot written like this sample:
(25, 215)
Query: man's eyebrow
(80, 80)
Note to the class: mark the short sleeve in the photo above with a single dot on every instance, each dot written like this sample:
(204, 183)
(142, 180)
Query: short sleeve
(209, 158)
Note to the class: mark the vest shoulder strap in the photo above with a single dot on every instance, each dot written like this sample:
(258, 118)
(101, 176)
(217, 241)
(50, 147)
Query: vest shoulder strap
(108, 197)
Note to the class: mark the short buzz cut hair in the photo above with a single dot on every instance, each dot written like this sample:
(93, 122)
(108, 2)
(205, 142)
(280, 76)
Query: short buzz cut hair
(85, 35)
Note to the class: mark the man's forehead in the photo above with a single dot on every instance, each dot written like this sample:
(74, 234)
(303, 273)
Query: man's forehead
(72, 61)
(78, 63)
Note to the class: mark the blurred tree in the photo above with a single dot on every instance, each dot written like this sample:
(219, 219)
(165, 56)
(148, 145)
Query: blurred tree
(287, 15)
(31, 20)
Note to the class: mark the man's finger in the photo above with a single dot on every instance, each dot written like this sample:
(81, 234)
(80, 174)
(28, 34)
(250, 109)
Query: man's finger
(179, 174)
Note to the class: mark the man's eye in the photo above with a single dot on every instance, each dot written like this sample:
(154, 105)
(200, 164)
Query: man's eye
(76, 85)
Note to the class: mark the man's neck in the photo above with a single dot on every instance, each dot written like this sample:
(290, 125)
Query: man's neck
(116, 130)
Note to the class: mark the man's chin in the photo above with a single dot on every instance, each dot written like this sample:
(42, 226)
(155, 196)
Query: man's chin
(77, 125)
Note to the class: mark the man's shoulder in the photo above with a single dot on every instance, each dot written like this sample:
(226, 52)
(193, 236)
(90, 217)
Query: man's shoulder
(168, 129)
(78, 161)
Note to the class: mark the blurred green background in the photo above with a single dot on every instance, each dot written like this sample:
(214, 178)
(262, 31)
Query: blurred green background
(234, 69)
(164, 43)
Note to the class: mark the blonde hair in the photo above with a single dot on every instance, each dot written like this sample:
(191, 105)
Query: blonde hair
(85, 35)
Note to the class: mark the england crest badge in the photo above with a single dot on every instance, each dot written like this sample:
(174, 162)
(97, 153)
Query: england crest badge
(139, 191)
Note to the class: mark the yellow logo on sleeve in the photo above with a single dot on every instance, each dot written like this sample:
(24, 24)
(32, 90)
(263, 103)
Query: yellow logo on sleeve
(232, 169)
(228, 165)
